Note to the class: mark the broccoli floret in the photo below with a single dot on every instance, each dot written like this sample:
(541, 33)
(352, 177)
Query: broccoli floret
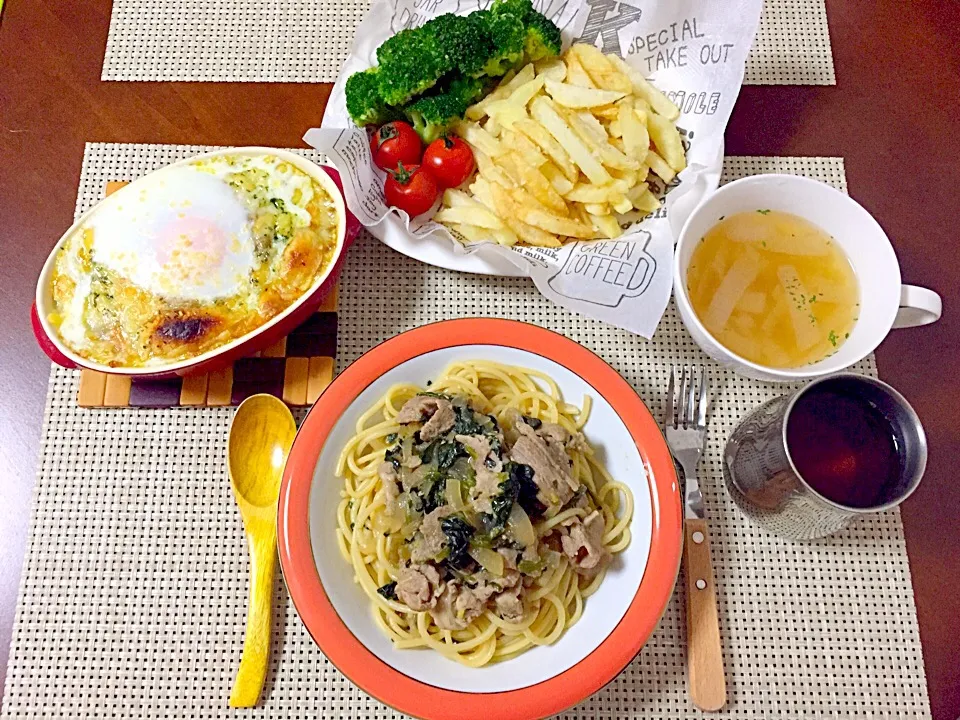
(433, 115)
(508, 35)
(520, 9)
(543, 38)
(364, 103)
(465, 38)
(468, 89)
(411, 62)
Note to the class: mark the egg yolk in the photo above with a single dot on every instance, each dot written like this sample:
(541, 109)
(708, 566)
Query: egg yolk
(188, 249)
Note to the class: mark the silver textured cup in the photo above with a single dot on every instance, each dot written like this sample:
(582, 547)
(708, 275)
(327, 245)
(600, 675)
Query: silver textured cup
(763, 480)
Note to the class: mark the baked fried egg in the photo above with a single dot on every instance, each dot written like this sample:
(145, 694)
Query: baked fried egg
(190, 258)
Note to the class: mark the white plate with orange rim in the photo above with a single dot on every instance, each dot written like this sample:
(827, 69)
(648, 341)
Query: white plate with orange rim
(617, 619)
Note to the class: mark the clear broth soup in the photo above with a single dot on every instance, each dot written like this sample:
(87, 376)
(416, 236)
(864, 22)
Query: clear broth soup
(773, 288)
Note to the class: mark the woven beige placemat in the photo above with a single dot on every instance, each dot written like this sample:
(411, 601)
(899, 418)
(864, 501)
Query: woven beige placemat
(308, 40)
(133, 592)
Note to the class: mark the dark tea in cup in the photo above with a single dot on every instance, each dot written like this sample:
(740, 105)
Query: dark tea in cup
(804, 465)
(844, 446)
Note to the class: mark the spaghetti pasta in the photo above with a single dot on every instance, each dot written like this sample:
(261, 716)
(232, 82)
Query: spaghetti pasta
(476, 516)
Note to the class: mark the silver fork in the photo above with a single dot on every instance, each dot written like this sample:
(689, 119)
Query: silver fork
(685, 427)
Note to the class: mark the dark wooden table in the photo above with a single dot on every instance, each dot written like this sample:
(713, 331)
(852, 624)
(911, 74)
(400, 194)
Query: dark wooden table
(894, 116)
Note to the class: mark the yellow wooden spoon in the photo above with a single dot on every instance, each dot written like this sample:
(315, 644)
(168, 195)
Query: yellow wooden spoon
(260, 439)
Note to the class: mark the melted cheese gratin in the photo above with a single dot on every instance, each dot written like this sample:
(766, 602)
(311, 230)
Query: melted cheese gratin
(204, 254)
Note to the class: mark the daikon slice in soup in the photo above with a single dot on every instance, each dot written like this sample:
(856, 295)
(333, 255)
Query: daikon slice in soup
(773, 288)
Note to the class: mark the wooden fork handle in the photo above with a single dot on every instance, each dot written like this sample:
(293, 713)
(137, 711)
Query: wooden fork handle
(704, 657)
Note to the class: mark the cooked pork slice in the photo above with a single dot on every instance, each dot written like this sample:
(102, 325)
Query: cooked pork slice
(510, 556)
(388, 473)
(509, 606)
(478, 445)
(551, 466)
(436, 414)
(456, 607)
(583, 544)
(487, 467)
(483, 457)
(488, 485)
(430, 538)
(388, 476)
(418, 587)
(559, 435)
(577, 442)
(553, 433)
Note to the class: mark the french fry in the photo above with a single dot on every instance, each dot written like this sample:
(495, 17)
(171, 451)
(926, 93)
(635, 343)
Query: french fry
(480, 139)
(564, 148)
(458, 198)
(531, 235)
(506, 87)
(507, 77)
(608, 154)
(524, 93)
(548, 143)
(605, 113)
(479, 110)
(598, 66)
(636, 140)
(629, 178)
(534, 236)
(660, 167)
(607, 225)
(596, 129)
(641, 109)
(666, 138)
(536, 184)
(523, 76)
(584, 193)
(574, 96)
(576, 75)
(545, 112)
(555, 175)
(551, 69)
(642, 87)
(479, 216)
(597, 208)
(529, 212)
(522, 145)
(488, 170)
(503, 113)
(505, 236)
(621, 204)
(481, 189)
(472, 232)
(642, 199)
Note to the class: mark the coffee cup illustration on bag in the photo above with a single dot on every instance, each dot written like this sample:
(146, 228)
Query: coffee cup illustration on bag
(604, 272)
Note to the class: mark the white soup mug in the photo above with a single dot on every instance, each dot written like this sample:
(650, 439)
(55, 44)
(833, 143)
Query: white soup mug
(885, 302)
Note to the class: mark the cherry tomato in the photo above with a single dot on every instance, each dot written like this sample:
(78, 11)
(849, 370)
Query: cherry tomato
(411, 188)
(395, 143)
(450, 160)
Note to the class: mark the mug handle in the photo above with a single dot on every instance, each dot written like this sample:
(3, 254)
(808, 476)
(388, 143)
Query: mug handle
(918, 306)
